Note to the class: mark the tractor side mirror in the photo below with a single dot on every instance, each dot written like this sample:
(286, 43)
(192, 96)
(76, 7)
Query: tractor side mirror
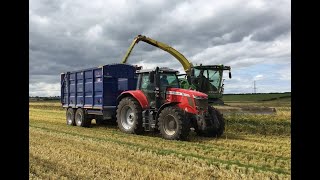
(230, 75)
(151, 77)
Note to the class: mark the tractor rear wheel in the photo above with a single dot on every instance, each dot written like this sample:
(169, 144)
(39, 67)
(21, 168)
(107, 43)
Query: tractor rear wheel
(70, 117)
(173, 125)
(81, 118)
(215, 130)
(129, 116)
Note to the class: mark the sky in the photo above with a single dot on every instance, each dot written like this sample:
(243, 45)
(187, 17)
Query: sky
(251, 36)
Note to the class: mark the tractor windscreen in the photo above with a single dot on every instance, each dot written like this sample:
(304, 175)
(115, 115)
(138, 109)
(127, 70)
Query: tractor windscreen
(207, 79)
(168, 80)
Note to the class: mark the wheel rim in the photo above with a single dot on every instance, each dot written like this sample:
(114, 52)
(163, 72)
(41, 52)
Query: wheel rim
(79, 119)
(127, 117)
(170, 125)
(69, 118)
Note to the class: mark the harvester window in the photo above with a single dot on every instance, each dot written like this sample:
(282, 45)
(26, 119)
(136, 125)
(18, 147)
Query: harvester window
(214, 78)
(206, 79)
(196, 72)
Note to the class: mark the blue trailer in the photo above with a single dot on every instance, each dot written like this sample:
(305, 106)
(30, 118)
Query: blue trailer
(94, 91)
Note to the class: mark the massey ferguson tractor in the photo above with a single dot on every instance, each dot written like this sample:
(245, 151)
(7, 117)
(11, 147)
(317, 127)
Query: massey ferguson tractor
(139, 100)
(160, 103)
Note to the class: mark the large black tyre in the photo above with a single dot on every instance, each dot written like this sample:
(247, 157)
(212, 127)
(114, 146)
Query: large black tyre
(220, 130)
(213, 131)
(81, 118)
(70, 117)
(173, 125)
(129, 116)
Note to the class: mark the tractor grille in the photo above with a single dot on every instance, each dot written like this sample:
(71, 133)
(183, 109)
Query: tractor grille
(202, 104)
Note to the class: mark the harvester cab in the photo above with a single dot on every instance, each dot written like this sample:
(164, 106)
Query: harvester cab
(208, 79)
(160, 103)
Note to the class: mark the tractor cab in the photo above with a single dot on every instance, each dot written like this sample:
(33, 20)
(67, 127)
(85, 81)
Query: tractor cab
(149, 79)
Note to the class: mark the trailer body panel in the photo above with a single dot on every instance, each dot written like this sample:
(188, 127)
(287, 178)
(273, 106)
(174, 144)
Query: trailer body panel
(96, 89)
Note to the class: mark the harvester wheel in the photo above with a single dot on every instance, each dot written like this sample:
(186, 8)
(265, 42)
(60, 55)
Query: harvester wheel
(173, 125)
(213, 131)
(81, 118)
(70, 117)
(129, 116)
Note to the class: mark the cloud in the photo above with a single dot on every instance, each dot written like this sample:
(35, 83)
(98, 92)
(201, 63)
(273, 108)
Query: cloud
(44, 89)
(94, 33)
(39, 20)
(66, 35)
(258, 77)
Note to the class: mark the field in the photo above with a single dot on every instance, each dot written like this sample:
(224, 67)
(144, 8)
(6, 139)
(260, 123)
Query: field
(257, 97)
(252, 147)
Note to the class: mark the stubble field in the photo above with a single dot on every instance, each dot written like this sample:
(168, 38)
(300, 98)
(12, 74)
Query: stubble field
(252, 147)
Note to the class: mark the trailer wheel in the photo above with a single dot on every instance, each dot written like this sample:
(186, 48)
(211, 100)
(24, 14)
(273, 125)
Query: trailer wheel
(173, 125)
(129, 116)
(212, 130)
(70, 117)
(81, 118)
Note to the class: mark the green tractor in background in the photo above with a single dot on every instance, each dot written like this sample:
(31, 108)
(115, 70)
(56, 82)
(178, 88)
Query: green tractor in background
(203, 78)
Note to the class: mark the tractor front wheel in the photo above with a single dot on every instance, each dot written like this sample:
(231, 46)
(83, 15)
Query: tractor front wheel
(173, 125)
(212, 130)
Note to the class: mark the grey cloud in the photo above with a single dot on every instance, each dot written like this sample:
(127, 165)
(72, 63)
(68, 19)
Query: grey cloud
(49, 79)
(60, 38)
(271, 32)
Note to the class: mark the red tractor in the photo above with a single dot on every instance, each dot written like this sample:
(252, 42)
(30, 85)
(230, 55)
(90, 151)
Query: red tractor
(159, 103)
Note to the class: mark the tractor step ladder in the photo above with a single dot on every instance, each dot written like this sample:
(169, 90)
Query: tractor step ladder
(148, 119)
(145, 120)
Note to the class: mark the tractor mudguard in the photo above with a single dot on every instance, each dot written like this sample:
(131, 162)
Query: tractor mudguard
(165, 105)
(138, 95)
